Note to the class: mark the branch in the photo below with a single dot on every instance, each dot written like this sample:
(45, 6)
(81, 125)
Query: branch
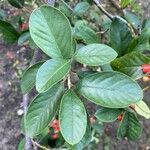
(38, 145)
(103, 10)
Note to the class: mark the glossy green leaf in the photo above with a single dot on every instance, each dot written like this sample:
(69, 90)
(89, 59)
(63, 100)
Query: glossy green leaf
(9, 33)
(83, 32)
(17, 3)
(85, 140)
(130, 64)
(51, 31)
(51, 72)
(29, 78)
(110, 89)
(108, 114)
(73, 118)
(81, 8)
(42, 110)
(142, 109)
(95, 54)
(146, 23)
(129, 127)
(120, 35)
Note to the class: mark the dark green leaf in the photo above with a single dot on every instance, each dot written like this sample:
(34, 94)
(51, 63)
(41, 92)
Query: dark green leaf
(9, 33)
(130, 64)
(110, 89)
(95, 54)
(73, 118)
(51, 31)
(17, 3)
(29, 78)
(42, 110)
(143, 41)
(108, 114)
(50, 73)
(81, 8)
(129, 127)
(83, 32)
(120, 35)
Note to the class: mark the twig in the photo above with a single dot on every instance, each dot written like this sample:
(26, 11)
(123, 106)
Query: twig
(103, 10)
(69, 82)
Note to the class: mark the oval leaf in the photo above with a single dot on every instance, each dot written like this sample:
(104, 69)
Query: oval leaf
(9, 33)
(83, 32)
(42, 110)
(73, 118)
(29, 78)
(17, 3)
(110, 89)
(81, 8)
(130, 64)
(95, 54)
(50, 73)
(51, 31)
(142, 109)
(108, 114)
(129, 127)
(120, 35)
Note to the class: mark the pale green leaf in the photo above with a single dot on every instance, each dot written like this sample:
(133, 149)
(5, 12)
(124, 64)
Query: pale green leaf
(73, 118)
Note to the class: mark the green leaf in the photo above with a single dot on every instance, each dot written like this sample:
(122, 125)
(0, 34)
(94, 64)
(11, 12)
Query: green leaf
(133, 19)
(129, 127)
(120, 35)
(17, 3)
(42, 110)
(130, 64)
(125, 3)
(108, 114)
(142, 109)
(9, 33)
(21, 144)
(95, 54)
(29, 78)
(85, 140)
(73, 118)
(146, 23)
(110, 89)
(143, 41)
(51, 31)
(83, 32)
(50, 73)
(81, 8)
(24, 37)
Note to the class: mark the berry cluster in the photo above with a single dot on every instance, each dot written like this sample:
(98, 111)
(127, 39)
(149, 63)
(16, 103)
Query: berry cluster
(56, 128)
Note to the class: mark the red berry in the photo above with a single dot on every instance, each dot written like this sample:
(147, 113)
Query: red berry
(54, 136)
(23, 26)
(55, 123)
(146, 68)
(119, 118)
(56, 129)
